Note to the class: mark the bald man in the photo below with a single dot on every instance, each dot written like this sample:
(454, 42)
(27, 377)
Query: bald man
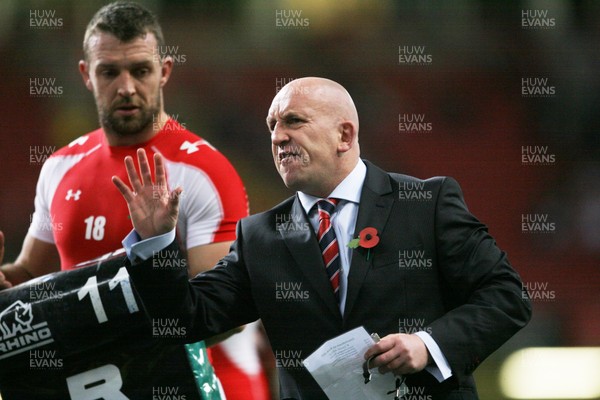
(428, 278)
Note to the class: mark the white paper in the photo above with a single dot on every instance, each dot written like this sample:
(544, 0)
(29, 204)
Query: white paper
(337, 366)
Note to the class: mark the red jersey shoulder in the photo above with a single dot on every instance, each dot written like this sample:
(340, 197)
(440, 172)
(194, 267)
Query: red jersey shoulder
(82, 144)
(180, 145)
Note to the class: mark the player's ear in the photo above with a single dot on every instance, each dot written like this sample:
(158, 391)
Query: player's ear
(165, 70)
(84, 70)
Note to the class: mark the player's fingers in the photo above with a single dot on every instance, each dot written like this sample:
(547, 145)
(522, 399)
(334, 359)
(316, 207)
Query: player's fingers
(146, 175)
(174, 200)
(123, 188)
(132, 174)
(159, 171)
(4, 284)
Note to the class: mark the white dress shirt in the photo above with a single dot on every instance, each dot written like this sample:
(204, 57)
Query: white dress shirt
(343, 219)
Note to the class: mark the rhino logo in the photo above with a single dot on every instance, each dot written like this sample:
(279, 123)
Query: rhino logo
(16, 318)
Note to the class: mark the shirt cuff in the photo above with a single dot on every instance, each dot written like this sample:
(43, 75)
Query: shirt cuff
(140, 250)
(441, 370)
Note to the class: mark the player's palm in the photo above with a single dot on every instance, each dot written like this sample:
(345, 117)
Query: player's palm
(152, 207)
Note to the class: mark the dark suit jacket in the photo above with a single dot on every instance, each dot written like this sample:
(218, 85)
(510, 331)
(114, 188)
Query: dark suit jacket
(436, 269)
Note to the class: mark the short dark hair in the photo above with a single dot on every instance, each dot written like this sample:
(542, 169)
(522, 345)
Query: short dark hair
(126, 21)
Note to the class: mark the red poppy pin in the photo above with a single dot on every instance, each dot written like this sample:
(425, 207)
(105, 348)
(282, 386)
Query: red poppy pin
(367, 238)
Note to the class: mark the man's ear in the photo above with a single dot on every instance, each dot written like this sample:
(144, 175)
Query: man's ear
(84, 70)
(348, 136)
(165, 70)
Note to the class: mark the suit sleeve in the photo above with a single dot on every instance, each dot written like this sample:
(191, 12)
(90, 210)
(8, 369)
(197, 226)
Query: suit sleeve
(213, 302)
(482, 291)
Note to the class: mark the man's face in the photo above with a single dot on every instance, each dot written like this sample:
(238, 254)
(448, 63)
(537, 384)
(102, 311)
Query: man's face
(126, 79)
(304, 138)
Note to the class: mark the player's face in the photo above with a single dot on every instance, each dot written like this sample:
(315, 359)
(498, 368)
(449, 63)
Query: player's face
(304, 139)
(126, 79)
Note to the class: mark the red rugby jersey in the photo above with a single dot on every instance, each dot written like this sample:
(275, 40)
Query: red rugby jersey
(78, 208)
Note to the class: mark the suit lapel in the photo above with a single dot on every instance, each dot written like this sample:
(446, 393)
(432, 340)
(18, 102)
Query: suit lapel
(376, 202)
(305, 250)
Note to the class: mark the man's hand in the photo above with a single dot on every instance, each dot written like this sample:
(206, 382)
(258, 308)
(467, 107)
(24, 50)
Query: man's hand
(4, 284)
(400, 353)
(152, 207)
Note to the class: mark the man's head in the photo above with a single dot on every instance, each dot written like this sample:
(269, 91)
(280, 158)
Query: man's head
(314, 135)
(125, 21)
(122, 66)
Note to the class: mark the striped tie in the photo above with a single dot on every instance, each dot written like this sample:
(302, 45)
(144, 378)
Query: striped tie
(329, 244)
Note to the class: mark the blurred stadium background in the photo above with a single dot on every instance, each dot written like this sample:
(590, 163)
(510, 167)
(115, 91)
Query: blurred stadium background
(470, 90)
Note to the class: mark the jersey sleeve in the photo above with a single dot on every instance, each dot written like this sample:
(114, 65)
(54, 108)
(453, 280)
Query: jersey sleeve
(212, 202)
(42, 222)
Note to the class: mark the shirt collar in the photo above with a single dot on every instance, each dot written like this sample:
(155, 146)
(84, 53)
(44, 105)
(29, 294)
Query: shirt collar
(349, 189)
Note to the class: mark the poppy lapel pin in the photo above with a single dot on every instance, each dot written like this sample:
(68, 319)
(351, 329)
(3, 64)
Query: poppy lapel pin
(367, 239)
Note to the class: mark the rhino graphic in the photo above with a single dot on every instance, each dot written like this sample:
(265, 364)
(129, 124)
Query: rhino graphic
(16, 318)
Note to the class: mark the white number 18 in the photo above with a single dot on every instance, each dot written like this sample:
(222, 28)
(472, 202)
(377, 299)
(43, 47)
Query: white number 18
(94, 227)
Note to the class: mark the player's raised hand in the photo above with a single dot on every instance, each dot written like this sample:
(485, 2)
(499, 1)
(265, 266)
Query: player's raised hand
(152, 207)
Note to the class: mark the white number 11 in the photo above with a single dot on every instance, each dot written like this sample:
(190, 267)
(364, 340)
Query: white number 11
(120, 279)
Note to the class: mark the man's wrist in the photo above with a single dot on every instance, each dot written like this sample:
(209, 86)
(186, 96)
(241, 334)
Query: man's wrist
(143, 249)
(439, 366)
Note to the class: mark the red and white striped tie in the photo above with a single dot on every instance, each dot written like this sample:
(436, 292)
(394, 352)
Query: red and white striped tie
(329, 244)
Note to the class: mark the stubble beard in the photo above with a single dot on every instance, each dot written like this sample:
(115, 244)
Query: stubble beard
(129, 125)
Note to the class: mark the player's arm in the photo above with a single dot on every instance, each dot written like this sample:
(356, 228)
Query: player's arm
(37, 258)
(203, 258)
